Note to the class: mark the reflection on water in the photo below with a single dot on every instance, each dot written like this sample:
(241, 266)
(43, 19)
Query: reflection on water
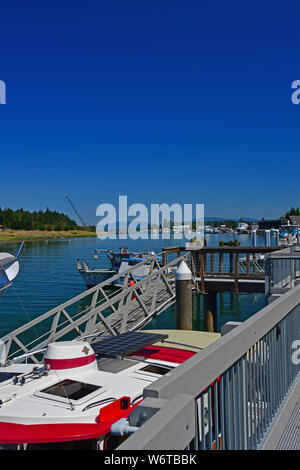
(48, 277)
(231, 307)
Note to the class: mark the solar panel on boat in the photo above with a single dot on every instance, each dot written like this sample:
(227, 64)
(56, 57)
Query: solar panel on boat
(125, 343)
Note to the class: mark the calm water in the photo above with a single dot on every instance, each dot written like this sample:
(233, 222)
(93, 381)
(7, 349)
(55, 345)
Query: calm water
(48, 277)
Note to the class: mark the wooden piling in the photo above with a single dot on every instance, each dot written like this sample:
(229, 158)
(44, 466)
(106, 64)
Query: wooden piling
(210, 312)
(236, 273)
(184, 306)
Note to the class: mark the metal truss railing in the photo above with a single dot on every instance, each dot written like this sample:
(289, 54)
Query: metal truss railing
(282, 270)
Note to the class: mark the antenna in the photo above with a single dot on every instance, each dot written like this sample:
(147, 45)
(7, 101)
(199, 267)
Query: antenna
(20, 249)
(76, 211)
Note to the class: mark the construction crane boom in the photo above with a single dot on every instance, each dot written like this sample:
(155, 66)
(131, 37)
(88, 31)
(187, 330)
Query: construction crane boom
(76, 211)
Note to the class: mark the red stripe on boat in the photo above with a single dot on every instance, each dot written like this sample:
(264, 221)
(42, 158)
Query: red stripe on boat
(69, 363)
(13, 433)
(165, 354)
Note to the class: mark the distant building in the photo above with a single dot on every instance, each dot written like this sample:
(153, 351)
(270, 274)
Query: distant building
(1, 228)
(294, 219)
(181, 228)
(268, 224)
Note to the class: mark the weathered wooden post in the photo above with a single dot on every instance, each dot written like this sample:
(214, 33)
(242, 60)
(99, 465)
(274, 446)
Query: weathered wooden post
(184, 308)
(210, 312)
(236, 272)
(202, 273)
(230, 262)
(220, 262)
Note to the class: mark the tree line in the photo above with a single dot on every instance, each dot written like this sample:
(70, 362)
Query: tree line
(21, 219)
(292, 211)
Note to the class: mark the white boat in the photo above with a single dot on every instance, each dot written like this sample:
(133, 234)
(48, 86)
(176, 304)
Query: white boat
(242, 227)
(78, 394)
(118, 262)
(9, 268)
(289, 234)
(82, 388)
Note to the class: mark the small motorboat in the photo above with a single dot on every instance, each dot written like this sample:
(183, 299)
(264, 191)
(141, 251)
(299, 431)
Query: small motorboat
(289, 234)
(118, 262)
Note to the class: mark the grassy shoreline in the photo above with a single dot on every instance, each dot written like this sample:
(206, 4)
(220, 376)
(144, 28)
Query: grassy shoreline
(32, 235)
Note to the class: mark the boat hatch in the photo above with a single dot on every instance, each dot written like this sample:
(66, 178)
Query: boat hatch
(68, 389)
(154, 369)
(115, 365)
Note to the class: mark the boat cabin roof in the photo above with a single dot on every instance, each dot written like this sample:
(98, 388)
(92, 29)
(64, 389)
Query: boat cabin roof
(55, 402)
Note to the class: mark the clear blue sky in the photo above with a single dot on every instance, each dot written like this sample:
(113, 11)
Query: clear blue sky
(162, 101)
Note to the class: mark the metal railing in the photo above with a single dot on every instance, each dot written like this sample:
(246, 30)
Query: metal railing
(236, 263)
(97, 311)
(282, 270)
(228, 395)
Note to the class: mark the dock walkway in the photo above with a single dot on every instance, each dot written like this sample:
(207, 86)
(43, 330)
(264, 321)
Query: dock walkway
(285, 433)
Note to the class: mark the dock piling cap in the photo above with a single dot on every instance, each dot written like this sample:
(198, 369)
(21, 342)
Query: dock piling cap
(183, 273)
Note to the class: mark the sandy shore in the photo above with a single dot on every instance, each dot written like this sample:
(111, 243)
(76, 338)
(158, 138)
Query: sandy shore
(23, 235)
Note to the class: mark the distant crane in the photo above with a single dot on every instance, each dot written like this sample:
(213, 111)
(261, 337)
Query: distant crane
(76, 212)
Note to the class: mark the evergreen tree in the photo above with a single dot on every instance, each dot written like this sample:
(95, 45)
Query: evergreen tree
(37, 220)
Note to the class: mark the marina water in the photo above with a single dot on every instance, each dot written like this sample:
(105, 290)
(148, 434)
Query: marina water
(48, 277)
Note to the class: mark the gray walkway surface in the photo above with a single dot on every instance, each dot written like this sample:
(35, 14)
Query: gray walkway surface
(285, 433)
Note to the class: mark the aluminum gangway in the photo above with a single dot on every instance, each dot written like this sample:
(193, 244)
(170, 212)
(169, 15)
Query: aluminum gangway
(98, 311)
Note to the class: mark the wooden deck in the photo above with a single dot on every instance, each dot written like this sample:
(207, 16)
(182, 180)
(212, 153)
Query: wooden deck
(227, 268)
(215, 285)
(186, 339)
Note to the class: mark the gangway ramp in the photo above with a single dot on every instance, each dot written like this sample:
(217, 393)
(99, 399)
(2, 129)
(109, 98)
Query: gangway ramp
(98, 311)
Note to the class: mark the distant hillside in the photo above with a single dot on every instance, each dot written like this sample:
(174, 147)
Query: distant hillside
(38, 220)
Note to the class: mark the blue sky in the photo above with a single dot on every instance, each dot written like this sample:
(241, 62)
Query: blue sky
(162, 101)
